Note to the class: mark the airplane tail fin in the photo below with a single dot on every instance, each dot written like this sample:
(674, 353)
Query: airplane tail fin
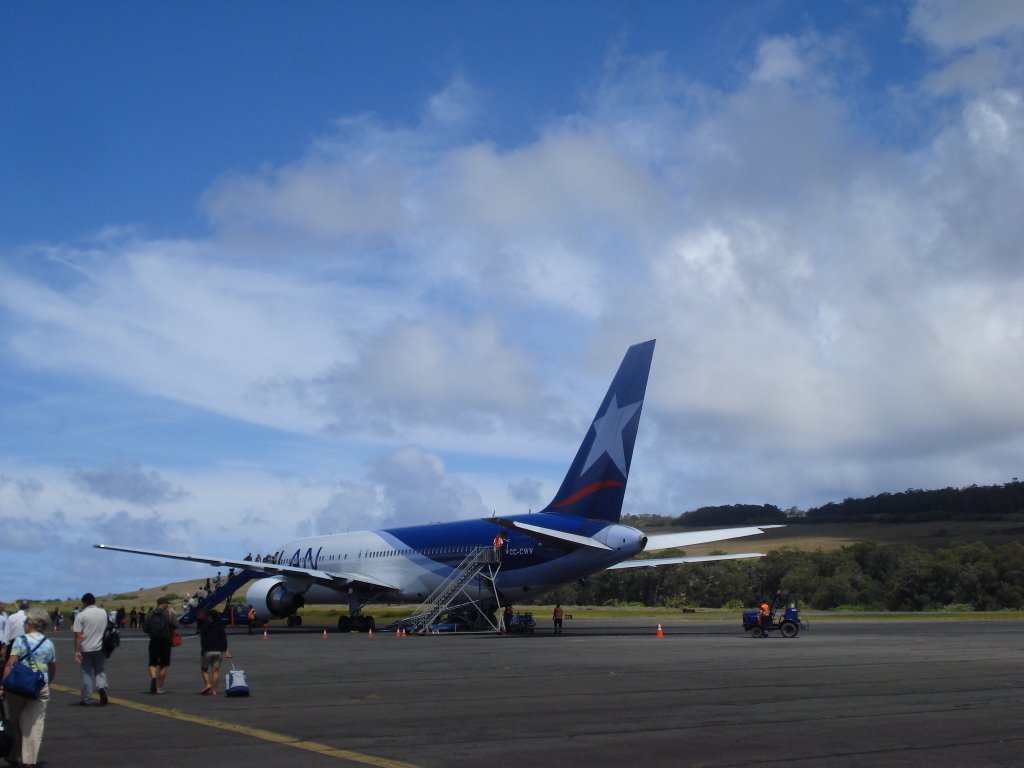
(596, 482)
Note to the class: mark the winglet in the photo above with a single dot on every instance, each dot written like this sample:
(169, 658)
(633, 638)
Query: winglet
(595, 485)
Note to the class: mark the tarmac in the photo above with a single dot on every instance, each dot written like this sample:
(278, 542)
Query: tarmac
(606, 693)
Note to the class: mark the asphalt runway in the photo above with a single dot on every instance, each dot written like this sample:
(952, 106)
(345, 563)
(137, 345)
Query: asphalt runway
(606, 693)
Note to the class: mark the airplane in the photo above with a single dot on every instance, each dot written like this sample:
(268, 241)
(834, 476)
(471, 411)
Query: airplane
(577, 534)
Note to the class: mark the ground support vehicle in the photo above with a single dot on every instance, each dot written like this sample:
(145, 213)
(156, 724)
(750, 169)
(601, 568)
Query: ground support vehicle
(520, 624)
(784, 618)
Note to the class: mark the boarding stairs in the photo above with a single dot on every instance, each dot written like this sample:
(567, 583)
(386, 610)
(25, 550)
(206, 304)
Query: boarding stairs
(217, 596)
(481, 564)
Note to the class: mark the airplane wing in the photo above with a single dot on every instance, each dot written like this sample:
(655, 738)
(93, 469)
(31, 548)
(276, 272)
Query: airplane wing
(267, 569)
(654, 562)
(689, 538)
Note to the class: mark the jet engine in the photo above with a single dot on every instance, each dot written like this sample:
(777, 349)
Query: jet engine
(272, 599)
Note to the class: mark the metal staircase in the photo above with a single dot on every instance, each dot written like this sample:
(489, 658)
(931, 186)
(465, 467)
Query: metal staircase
(482, 563)
(218, 596)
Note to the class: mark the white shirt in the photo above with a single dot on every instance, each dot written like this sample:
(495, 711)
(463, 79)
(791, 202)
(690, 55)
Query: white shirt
(3, 624)
(15, 627)
(90, 623)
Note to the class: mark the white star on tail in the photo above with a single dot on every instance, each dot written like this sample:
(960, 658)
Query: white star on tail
(609, 434)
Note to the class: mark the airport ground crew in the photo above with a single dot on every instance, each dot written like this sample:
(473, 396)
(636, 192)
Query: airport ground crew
(556, 617)
(766, 618)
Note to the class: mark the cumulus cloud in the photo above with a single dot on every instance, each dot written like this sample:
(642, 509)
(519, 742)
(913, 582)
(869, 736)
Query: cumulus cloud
(417, 488)
(407, 486)
(778, 59)
(64, 538)
(126, 480)
(980, 43)
(526, 491)
(431, 371)
(28, 489)
(950, 24)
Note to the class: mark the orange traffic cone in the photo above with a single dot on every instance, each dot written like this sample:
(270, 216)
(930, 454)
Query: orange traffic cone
(265, 634)
(369, 632)
(325, 633)
(659, 633)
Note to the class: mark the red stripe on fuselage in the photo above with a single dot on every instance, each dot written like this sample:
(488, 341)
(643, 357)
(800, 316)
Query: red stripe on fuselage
(587, 491)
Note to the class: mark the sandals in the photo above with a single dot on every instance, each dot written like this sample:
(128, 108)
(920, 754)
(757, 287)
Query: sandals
(206, 692)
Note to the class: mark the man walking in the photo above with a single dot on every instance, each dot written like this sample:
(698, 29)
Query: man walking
(159, 625)
(15, 625)
(213, 649)
(90, 624)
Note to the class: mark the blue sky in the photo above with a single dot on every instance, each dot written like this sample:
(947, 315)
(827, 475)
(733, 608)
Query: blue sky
(271, 269)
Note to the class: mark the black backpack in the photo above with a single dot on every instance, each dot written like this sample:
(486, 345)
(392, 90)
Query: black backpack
(156, 624)
(111, 639)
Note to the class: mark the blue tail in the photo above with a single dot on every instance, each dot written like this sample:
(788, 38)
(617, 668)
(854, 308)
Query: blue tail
(596, 482)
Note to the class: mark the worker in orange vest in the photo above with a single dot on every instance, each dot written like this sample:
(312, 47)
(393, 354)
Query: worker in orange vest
(766, 618)
(499, 541)
(556, 617)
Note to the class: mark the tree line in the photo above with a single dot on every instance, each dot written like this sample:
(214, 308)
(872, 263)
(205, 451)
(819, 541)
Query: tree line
(975, 502)
(864, 576)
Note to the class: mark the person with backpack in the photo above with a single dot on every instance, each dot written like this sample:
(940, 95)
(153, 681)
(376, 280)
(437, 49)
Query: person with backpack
(159, 625)
(213, 649)
(89, 627)
(27, 713)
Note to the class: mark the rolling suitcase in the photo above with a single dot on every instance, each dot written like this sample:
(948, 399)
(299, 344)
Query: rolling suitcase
(236, 684)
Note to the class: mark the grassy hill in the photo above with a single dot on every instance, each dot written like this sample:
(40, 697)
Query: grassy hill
(832, 536)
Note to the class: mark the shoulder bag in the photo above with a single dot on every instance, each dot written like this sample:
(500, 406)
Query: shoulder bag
(22, 680)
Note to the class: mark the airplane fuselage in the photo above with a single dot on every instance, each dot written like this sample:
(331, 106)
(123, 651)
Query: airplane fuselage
(410, 562)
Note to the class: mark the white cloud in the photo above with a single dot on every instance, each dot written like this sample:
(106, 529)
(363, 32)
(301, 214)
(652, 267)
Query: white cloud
(951, 24)
(406, 486)
(429, 372)
(127, 481)
(981, 43)
(778, 59)
(973, 72)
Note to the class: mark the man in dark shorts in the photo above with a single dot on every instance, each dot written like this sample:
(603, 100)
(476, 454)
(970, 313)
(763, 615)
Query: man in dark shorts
(159, 625)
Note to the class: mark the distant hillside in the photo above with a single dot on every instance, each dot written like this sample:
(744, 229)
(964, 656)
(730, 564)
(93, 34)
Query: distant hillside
(732, 514)
(976, 502)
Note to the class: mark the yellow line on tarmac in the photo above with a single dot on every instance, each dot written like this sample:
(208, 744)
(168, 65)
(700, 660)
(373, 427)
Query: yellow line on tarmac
(256, 733)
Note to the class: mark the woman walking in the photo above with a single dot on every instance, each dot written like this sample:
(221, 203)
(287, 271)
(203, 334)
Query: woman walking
(27, 716)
